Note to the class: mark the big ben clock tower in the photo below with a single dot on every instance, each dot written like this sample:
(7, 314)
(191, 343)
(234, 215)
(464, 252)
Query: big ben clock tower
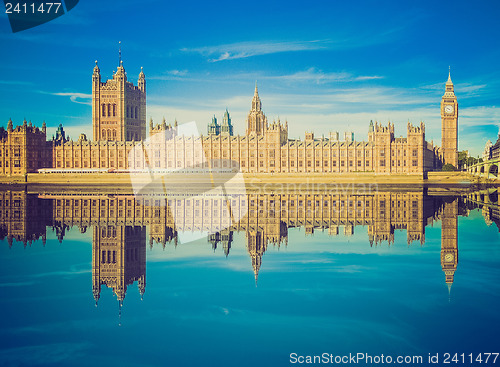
(449, 125)
(449, 240)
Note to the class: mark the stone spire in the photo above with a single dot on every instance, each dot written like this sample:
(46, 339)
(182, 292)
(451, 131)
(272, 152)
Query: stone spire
(120, 53)
(256, 121)
(256, 103)
(449, 91)
(449, 82)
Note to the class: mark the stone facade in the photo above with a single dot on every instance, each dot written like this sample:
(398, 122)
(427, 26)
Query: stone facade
(264, 149)
(119, 129)
(118, 107)
(449, 125)
(23, 149)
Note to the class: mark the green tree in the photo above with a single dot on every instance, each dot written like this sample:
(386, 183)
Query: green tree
(448, 167)
(462, 158)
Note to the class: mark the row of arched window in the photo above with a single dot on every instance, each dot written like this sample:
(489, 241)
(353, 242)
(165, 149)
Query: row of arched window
(108, 109)
(132, 136)
(108, 134)
(108, 257)
(132, 112)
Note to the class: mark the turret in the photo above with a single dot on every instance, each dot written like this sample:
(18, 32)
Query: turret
(96, 75)
(256, 121)
(226, 127)
(371, 131)
(9, 126)
(141, 82)
(213, 128)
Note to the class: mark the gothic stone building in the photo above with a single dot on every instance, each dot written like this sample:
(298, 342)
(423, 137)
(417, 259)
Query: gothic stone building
(119, 131)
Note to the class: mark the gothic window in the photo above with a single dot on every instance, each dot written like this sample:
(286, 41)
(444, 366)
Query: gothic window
(136, 114)
(128, 109)
(103, 134)
(114, 133)
(103, 110)
(109, 109)
(109, 134)
(114, 109)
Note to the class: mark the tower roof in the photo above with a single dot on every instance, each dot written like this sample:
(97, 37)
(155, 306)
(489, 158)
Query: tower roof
(449, 82)
(256, 103)
(449, 89)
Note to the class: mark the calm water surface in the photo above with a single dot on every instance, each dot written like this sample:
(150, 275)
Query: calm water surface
(91, 279)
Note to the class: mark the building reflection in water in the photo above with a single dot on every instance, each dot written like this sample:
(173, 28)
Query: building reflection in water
(120, 238)
(118, 259)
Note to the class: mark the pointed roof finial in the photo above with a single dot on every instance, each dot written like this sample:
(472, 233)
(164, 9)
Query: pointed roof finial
(449, 76)
(120, 53)
(256, 90)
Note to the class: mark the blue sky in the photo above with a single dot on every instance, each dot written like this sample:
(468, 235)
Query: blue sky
(322, 65)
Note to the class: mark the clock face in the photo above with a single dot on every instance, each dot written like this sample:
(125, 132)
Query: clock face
(449, 108)
(448, 257)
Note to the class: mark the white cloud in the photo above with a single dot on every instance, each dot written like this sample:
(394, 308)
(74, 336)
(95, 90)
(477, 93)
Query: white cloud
(77, 97)
(321, 77)
(248, 49)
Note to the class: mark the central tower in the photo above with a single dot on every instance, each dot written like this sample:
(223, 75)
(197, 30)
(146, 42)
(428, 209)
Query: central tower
(256, 121)
(449, 125)
(118, 107)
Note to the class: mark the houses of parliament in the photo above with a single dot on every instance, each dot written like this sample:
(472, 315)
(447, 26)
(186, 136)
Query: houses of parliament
(119, 125)
(123, 226)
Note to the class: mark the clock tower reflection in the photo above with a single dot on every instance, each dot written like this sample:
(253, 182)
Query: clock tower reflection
(449, 240)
